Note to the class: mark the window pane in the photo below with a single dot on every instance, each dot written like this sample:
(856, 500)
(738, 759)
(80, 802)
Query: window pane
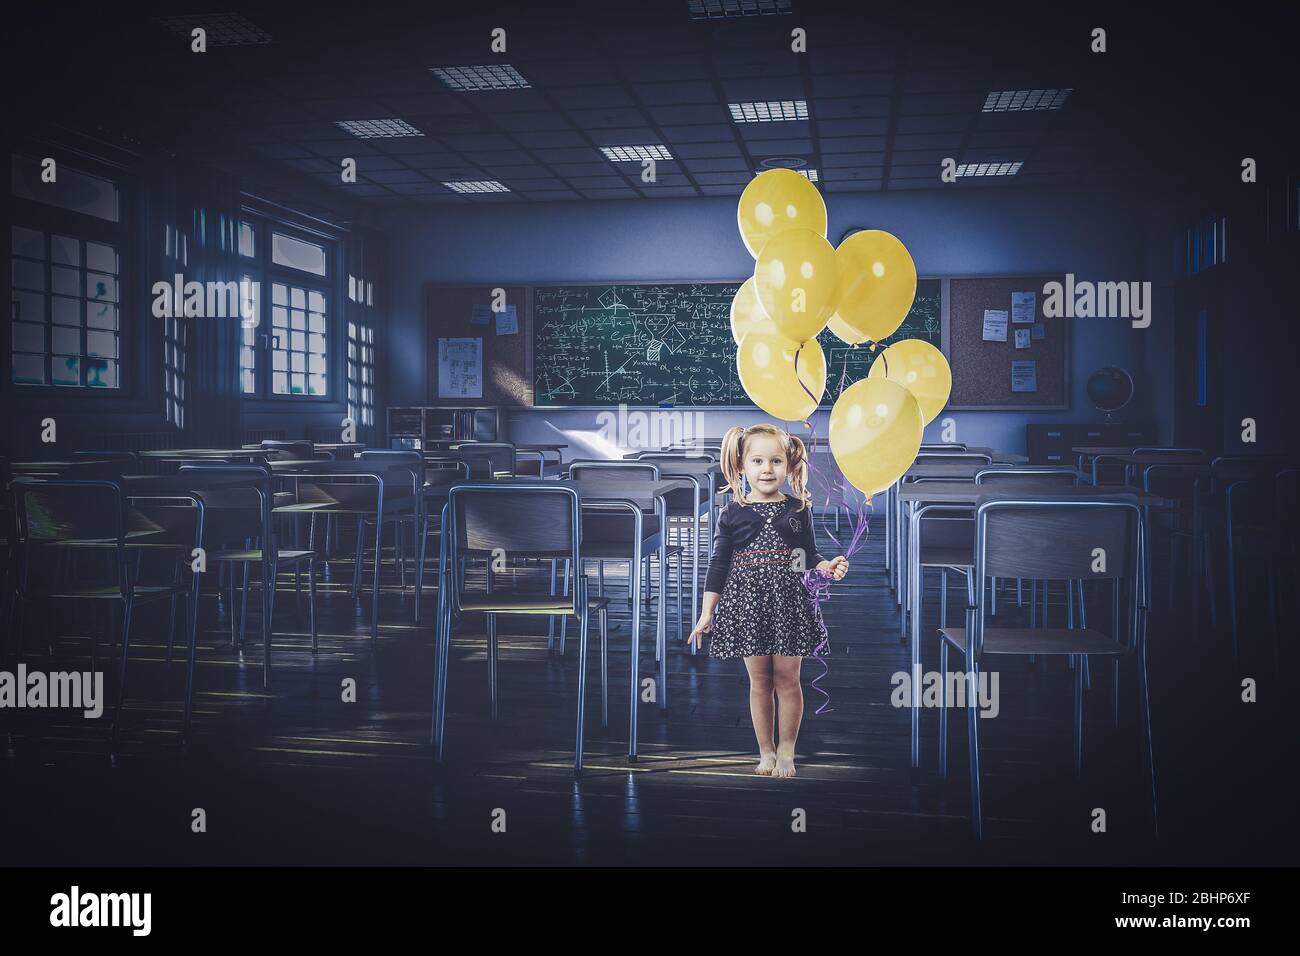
(101, 373)
(65, 251)
(73, 189)
(65, 281)
(280, 360)
(299, 320)
(65, 370)
(65, 311)
(298, 297)
(288, 251)
(101, 287)
(297, 341)
(27, 305)
(65, 341)
(316, 343)
(29, 337)
(298, 362)
(101, 343)
(29, 275)
(28, 242)
(29, 369)
(280, 383)
(279, 294)
(247, 380)
(315, 301)
(298, 384)
(317, 364)
(101, 315)
(317, 323)
(279, 316)
(316, 385)
(247, 240)
(101, 257)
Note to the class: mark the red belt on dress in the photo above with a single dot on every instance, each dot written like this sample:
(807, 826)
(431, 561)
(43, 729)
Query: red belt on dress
(757, 561)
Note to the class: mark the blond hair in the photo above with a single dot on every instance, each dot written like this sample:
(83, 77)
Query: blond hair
(733, 459)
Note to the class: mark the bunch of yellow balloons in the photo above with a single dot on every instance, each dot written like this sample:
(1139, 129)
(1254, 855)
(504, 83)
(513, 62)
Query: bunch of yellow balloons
(863, 291)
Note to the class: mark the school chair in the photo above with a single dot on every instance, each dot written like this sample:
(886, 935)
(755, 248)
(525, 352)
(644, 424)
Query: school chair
(537, 521)
(1051, 540)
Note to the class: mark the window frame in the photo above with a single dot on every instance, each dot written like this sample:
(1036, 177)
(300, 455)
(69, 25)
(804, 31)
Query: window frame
(137, 352)
(264, 272)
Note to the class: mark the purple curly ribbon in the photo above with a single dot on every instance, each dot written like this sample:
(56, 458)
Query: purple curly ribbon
(815, 581)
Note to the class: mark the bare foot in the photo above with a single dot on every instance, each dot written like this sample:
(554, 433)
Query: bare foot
(765, 764)
(784, 766)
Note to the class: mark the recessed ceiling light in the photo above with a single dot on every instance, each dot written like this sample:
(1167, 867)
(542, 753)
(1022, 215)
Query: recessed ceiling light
(808, 174)
(769, 111)
(222, 29)
(494, 76)
(476, 186)
(634, 154)
(988, 169)
(378, 128)
(711, 9)
(1001, 101)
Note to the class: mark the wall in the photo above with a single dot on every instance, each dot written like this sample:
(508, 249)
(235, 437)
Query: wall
(982, 230)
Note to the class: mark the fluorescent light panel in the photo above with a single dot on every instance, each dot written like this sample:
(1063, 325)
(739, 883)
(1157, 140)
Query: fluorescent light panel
(378, 128)
(808, 174)
(476, 186)
(769, 111)
(988, 169)
(1004, 101)
(493, 76)
(223, 29)
(718, 9)
(634, 154)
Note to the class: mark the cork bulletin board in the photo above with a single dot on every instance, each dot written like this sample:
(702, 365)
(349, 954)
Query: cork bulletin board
(983, 371)
(464, 312)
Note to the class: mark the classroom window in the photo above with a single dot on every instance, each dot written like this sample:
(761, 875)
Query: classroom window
(361, 373)
(297, 340)
(251, 306)
(175, 354)
(64, 310)
(71, 189)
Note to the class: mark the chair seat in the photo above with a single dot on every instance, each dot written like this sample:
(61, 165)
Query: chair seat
(942, 557)
(1043, 640)
(528, 466)
(619, 550)
(507, 602)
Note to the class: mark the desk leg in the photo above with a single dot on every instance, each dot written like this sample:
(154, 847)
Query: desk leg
(634, 582)
(698, 529)
(661, 625)
(889, 533)
(914, 596)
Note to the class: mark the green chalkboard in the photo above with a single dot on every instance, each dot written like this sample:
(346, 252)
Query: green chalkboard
(671, 344)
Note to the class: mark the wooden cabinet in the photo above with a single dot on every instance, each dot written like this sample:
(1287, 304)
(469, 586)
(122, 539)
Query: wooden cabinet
(1051, 444)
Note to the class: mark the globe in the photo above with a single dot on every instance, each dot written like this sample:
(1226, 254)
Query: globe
(1110, 389)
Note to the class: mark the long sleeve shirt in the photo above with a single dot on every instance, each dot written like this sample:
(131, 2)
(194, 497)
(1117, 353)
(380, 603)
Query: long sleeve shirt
(738, 526)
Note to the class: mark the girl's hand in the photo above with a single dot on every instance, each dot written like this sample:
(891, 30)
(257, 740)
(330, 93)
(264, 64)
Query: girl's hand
(836, 567)
(702, 627)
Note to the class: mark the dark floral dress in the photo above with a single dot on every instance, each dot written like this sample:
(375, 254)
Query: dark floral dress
(764, 608)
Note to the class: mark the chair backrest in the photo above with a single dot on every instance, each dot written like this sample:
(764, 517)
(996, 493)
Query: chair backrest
(294, 450)
(221, 486)
(539, 520)
(1170, 451)
(1251, 505)
(1028, 538)
(944, 446)
(1027, 476)
(500, 454)
(1174, 482)
(1087, 539)
(953, 458)
(593, 468)
(59, 512)
(676, 454)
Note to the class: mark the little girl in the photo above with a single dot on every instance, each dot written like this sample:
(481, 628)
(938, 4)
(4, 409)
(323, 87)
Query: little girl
(761, 546)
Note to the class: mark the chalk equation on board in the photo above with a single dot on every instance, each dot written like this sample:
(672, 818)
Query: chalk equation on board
(659, 344)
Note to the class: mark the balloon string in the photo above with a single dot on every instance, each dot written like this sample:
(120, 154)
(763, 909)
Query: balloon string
(817, 584)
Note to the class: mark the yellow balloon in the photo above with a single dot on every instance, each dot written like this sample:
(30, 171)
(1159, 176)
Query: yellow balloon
(797, 277)
(777, 200)
(765, 361)
(921, 369)
(877, 283)
(875, 433)
(844, 332)
(746, 310)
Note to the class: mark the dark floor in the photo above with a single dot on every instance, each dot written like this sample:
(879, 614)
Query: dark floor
(296, 776)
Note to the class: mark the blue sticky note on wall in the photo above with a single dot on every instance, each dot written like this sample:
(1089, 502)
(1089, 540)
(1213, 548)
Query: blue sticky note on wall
(507, 321)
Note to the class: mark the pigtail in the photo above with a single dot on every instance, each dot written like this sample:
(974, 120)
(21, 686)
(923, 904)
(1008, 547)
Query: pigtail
(733, 447)
(797, 470)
